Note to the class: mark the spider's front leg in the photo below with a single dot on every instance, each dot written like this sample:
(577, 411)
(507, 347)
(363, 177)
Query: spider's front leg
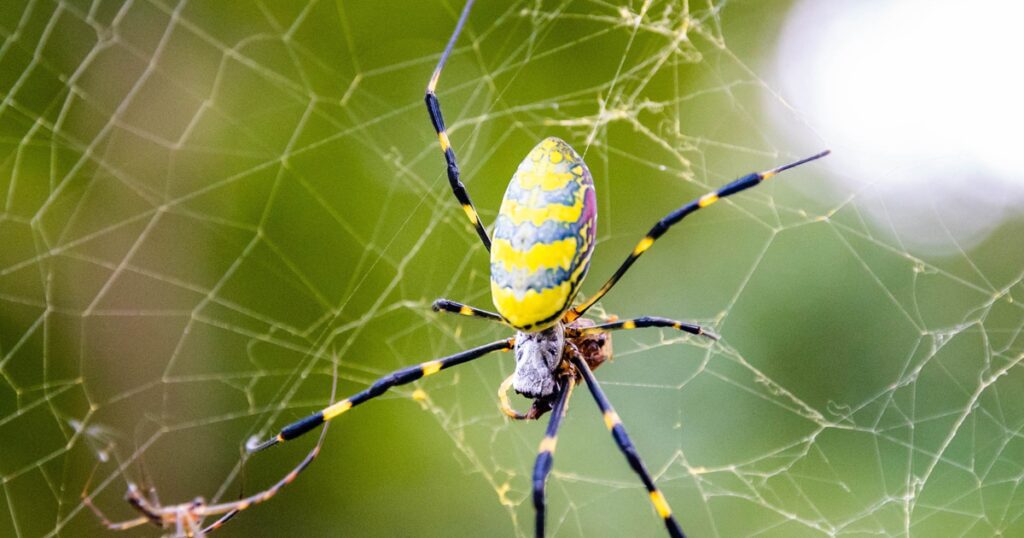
(434, 109)
(119, 525)
(673, 218)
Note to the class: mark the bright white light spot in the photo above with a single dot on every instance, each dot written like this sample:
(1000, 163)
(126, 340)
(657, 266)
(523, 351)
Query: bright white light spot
(922, 103)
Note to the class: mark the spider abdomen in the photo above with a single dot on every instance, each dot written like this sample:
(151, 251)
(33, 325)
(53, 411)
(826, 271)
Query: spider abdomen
(543, 237)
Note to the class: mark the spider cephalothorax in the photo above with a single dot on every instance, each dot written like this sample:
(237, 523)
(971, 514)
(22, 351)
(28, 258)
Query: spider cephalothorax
(544, 363)
(538, 355)
(593, 347)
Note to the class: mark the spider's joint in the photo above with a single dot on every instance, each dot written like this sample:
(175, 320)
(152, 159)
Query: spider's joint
(708, 199)
(660, 504)
(611, 419)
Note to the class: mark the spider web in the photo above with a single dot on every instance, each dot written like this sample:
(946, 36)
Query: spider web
(205, 208)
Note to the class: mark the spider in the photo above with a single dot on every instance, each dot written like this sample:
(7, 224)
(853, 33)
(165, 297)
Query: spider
(541, 249)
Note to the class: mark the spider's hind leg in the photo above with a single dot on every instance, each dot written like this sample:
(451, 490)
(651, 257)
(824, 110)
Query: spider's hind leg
(618, 431)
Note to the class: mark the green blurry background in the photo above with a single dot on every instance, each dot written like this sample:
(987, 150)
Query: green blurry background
(205, 205)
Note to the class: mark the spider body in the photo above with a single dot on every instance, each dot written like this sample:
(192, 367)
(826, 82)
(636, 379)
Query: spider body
(538, 355)
(544, 363)
(543, 238)
(542, 356)
(543, 241)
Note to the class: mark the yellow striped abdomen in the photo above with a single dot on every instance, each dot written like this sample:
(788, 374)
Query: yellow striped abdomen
(543, 237)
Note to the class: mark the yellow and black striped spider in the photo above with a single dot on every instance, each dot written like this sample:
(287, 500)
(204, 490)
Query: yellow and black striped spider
(542, 243)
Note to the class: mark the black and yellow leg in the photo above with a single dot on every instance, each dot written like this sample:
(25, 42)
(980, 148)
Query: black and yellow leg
(648, 321)
(546, 455)
(674, 217)
(444, 305)
(394, 379)
(434, 109)
(614, 424)
(399, 377)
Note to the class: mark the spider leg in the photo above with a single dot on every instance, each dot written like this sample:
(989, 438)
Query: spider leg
(649, 321)
(394, 379)
(538, 409)
(434, 109)
(187, 517)
(124, 525)
(194, 514)
(112, 525)
(231, 509)
(546, 455)
(241, 489)
(220, 522)
(179, 527)
(674, 217)
(614, 424)
(505, 404)
(399, 377)
(452, 307)
(147, 505)
(190, 522)
(194, 525)
(296, 429)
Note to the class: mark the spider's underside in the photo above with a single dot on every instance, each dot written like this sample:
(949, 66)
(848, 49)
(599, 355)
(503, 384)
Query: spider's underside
(538, 354)
(544, 363)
